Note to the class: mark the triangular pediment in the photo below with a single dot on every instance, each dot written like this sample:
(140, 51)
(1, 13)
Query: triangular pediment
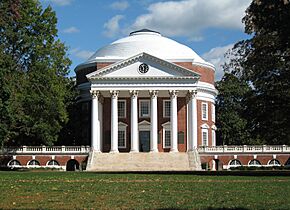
(143, 65)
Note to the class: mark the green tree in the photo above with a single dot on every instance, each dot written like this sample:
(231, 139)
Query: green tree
(231, 123)
(263, 62)
(33, 79)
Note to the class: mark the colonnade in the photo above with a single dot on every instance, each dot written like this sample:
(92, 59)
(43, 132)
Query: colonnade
(96, 141)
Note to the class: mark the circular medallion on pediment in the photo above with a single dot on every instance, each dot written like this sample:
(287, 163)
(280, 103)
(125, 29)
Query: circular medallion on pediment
(143, 68)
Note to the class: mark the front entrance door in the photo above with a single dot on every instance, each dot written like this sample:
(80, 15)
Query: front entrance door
(144, 141)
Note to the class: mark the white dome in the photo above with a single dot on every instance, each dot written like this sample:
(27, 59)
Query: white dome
(150, 42)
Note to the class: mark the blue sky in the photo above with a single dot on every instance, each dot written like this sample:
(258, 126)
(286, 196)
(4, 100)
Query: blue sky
(209, 27)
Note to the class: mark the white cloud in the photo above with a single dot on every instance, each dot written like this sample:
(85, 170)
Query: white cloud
(60, 2)
(71, 30)
(82, 54)
(112, 27)
(120, 5)
(190, 17)
(217, 58)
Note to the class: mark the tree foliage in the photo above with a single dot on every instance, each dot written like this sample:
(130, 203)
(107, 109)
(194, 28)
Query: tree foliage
(231, 121)
(263, 62)
(33, 66)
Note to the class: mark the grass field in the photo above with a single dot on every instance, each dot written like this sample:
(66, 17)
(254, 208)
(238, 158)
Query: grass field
(64, 190)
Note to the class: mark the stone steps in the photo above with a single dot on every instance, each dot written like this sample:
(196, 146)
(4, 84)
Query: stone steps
(143, 161)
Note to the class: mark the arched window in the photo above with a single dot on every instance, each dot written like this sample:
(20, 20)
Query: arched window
(34, 163)
(14, 163)
(254, 163)
(53, 163)
(235, 163)
(274, 162)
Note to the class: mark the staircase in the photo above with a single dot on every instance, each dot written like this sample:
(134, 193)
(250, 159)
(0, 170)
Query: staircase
(179, 161)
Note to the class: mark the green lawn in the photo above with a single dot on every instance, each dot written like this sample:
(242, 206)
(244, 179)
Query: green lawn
(64, 190)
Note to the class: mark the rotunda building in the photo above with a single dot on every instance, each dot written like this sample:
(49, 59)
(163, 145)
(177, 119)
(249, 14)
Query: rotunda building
(146, 93)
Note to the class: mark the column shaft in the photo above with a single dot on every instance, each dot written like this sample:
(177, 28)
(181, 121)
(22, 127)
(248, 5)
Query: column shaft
(134, 122)
(173, 121)
(192, 121)
(95, 127)
(114, 121)
(154, 122)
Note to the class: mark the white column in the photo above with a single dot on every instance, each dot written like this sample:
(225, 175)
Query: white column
(189, 124)
(173, 120)
(134, 122)
(192, 121)
(95, 129)
(154, 122)
(114, 121)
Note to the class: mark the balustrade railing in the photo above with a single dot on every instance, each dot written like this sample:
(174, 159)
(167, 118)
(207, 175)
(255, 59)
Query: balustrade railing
(245, 149)
(202, 149)
(45, 149)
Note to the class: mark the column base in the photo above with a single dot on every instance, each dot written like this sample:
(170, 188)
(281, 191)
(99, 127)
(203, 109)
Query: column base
(114, 151)
(134, 151)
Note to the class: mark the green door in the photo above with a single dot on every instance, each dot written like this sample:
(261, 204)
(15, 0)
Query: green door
(144, 141)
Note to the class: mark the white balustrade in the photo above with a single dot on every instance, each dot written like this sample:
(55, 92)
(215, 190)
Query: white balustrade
(46, 150)
(245, 149)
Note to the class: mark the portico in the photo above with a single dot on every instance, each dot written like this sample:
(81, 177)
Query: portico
(152, 126)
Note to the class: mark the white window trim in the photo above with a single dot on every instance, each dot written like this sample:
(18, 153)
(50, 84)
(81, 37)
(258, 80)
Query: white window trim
(202, 140)
(14, 166)
(166, 100)
(125, 107)
(229, 164)
(123, 127)
(213, 137)
(33, 166)
(213, 112)
(254, 165)
(204, 118)
(165, 127)
(149, 111)
(274, 164)
(53, 166)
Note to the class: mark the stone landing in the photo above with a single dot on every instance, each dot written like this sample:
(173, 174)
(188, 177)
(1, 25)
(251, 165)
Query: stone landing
(178, 161)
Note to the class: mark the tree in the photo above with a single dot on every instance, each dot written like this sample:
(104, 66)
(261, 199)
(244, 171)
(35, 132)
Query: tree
(33, 74)
(263, 62)
(229, 105)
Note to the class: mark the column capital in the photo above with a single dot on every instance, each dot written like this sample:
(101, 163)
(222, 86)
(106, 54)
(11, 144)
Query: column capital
(173, 93)
(192, 93)
(114, 93)
(133, 93)
(95, 93)
(153, 93)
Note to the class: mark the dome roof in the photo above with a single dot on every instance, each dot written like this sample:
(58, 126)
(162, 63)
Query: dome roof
(150, 42)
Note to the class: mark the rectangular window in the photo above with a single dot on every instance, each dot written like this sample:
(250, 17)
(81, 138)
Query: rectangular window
(144, 108)
(166, 108)
(213, 112)
(213, 137)
(122, 138)
(167, 139)
(122, 108)
(204, 111)
(204, 138)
